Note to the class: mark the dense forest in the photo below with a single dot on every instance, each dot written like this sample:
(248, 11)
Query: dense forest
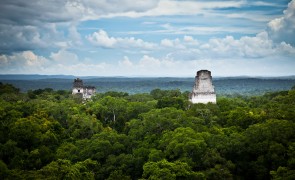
(49, 134)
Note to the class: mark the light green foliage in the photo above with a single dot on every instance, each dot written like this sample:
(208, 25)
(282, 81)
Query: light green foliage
(67, 150)
(283, 173)
(156, 155)
(169, 170)
(64, 169)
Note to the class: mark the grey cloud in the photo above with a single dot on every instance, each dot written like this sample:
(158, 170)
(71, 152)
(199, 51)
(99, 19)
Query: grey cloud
(29, 25)
(33, 12)
(19, 38)
(19, 12)
(35, 24)
(283, 29)
(27, 37)
(104, 7)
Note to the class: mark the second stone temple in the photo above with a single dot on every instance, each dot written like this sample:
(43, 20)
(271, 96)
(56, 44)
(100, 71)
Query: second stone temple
(203, 91)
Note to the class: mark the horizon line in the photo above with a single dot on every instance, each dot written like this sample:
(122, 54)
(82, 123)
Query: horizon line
(143, 76)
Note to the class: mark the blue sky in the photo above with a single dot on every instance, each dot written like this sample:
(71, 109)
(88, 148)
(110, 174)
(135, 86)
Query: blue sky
(172, 38)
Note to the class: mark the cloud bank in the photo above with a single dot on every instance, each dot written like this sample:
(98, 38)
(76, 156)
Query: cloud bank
(147, 38)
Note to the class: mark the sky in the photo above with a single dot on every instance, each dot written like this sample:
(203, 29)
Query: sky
(147, 38)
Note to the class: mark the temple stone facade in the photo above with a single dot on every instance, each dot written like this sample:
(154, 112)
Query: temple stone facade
(203, 91)
(85, 91)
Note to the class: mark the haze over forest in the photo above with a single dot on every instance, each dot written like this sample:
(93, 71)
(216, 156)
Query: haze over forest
(155, 38)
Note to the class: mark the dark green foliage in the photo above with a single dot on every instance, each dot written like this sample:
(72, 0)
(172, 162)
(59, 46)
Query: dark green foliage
(47, 134)
(176, 102)
(158, 93)
(8, 88)
(4, 171)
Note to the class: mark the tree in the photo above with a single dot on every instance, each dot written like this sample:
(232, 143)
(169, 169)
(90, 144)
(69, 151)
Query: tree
(112, 111)
(83, 126)
(283, 173)
(34, 130)
(101, 145)
(185, 144)
(8, 88)
(267, 146)
(244, 117)
(64, 169)
(4, 171)
(176, 102)
(169, 170)
(158, 93)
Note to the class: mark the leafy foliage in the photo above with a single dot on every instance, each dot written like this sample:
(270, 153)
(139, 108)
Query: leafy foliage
(48, 134)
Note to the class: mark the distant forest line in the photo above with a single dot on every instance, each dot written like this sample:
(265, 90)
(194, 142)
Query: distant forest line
(223, 86)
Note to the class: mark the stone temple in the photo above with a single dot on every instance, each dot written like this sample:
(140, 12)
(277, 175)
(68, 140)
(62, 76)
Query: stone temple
(85, 91)
(203, 91)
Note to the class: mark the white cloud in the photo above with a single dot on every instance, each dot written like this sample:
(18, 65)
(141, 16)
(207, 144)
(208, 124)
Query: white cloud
(64, 57)
(36, 12)
(167, 43)
(207, 29)
(21, 62)
(249, 47)
(150, 66)
(190, 40)
(286, 48)
(283, 28)
(74, 36)
(51, 25)
(167, 66)
(175, 7)
(125, 62)
(149, 23)
(61, 62)
(93, 9)
(276, 24)
(176, 43)
(24, 24)
(27, 63)
(81, 69)
(259, 46)
(149, 62)
(102, 39)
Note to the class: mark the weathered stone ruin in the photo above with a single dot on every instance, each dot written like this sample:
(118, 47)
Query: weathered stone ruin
(203, 91)
(85, 91)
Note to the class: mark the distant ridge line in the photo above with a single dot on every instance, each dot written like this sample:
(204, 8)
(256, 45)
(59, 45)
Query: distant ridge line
(39, 77)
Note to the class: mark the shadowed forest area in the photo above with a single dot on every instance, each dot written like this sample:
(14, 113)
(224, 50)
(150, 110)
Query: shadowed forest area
(50, 134)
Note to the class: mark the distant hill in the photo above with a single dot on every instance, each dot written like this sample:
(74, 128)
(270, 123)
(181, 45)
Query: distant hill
(242, 85)
(255, 77)
(38, 76)
(33, 76)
